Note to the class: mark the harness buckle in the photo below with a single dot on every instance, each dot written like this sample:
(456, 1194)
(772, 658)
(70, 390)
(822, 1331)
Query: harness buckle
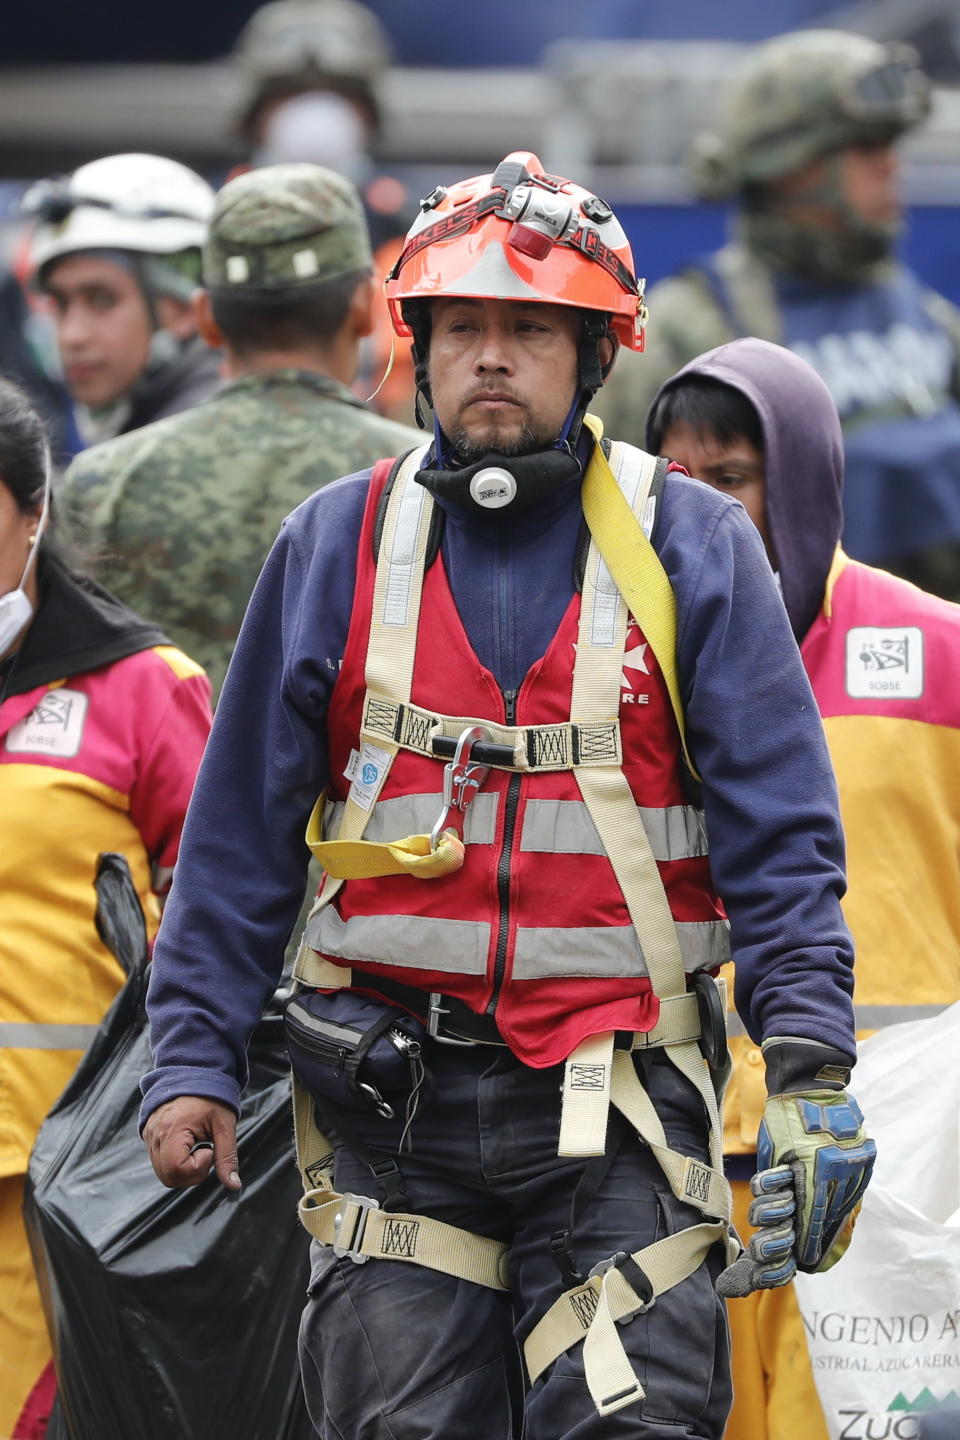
(353, 1214)
(637, 1279)
(434, 1014)
(462, 778)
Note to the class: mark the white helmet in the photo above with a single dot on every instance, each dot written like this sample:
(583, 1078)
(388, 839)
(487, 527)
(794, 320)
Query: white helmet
(141, 203)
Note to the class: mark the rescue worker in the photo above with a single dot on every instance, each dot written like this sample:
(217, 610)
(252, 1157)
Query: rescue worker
(34, 366)
(311, 76)
(757, 423)
(570, 903)
(102, 724)
(805, 145)
(183, 512)
(117, 252)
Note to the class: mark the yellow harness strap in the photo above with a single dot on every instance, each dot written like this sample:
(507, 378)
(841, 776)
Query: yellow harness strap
(635, 566)
(366, 860)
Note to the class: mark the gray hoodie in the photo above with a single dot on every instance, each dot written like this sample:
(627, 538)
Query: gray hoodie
(803, 453)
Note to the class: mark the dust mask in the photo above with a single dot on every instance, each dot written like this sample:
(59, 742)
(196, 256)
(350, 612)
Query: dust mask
(320, 127)
(16, 610)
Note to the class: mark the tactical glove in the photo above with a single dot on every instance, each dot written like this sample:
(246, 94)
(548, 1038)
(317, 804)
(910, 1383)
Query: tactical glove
(814, 1162)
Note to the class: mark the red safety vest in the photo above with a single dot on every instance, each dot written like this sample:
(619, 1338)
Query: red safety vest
(534, 925)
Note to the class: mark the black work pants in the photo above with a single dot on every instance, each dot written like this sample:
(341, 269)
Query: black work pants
(394, 1351)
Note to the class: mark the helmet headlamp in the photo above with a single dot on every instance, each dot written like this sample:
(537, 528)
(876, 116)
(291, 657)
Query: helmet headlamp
(540, 218)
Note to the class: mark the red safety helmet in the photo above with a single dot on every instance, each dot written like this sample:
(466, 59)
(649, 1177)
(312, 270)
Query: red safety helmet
(520, 234)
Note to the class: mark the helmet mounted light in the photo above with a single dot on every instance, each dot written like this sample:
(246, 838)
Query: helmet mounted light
(540, 219)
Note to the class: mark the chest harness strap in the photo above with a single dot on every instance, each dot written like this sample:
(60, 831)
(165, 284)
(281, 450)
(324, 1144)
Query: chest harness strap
(623, 576)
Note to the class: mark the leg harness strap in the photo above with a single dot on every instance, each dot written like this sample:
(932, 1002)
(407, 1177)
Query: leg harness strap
(616, 1291)
(356, 1227)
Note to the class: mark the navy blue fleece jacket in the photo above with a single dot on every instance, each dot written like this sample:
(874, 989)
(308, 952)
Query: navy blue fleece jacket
(754, 730)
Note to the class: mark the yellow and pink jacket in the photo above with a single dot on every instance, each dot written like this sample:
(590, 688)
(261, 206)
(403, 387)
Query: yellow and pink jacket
(100, 760)
(883, 658)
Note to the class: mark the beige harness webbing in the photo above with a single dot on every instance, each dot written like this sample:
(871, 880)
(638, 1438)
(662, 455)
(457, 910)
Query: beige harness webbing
(623, 576)
(396, 604)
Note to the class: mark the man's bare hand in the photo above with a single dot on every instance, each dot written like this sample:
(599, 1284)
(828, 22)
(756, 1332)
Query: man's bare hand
(187, 1136)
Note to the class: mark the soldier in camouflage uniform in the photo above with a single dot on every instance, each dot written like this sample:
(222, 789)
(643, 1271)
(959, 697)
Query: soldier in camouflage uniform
(310, 87)
(804, 144)
(180, 515)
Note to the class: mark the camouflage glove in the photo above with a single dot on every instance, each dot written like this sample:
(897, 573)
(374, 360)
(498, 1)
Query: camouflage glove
(814, 1162)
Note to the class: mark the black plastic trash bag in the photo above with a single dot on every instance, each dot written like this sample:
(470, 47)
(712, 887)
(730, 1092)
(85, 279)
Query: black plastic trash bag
(174, 1314)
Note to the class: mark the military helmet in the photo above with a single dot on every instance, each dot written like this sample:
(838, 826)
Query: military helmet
(520, 234)
(803, 95)
(290, 46)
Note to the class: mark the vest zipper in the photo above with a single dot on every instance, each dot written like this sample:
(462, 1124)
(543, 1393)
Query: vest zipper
(511, 805)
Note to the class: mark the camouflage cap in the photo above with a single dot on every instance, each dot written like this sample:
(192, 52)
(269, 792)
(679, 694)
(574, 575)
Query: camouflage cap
(285, 225)
(802, 95)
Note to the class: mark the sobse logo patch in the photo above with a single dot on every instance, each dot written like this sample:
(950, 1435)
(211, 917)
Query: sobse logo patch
(53, 727)
(884, 662)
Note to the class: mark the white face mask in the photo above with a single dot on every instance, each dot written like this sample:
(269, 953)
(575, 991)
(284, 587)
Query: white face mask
(16, 610)
(319, 127)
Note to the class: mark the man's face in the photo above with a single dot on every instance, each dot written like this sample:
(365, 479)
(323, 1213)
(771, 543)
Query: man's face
(503, 373)
(869, 181)
(103, 327)
(734, 468)
(870, 176)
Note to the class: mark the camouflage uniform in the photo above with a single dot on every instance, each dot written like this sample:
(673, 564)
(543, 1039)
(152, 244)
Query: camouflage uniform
(797, 98)
(179, 516)
(837, 296)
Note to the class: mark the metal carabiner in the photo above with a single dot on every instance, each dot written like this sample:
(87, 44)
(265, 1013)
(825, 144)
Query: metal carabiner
(462, 779)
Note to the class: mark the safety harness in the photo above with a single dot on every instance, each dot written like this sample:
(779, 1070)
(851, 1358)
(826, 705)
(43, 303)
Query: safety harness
(623, 577)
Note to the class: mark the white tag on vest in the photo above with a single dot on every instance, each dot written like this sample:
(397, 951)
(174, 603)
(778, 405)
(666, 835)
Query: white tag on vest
(371, 764)
(53, 727)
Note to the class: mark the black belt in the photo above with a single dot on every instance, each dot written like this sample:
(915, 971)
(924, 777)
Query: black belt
(445, 1017)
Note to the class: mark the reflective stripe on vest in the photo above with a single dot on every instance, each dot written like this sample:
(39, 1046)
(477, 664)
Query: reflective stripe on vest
(550, 827)
(867, 1017)
(25, 1035)
(415, 815)
(565, 827)
(403, 559)
(459, 947)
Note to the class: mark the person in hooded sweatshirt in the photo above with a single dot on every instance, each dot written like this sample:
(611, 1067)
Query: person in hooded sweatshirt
(102, 725)
(756, 422)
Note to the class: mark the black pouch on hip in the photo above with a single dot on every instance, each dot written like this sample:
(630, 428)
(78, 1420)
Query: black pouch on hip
(346, 1047)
